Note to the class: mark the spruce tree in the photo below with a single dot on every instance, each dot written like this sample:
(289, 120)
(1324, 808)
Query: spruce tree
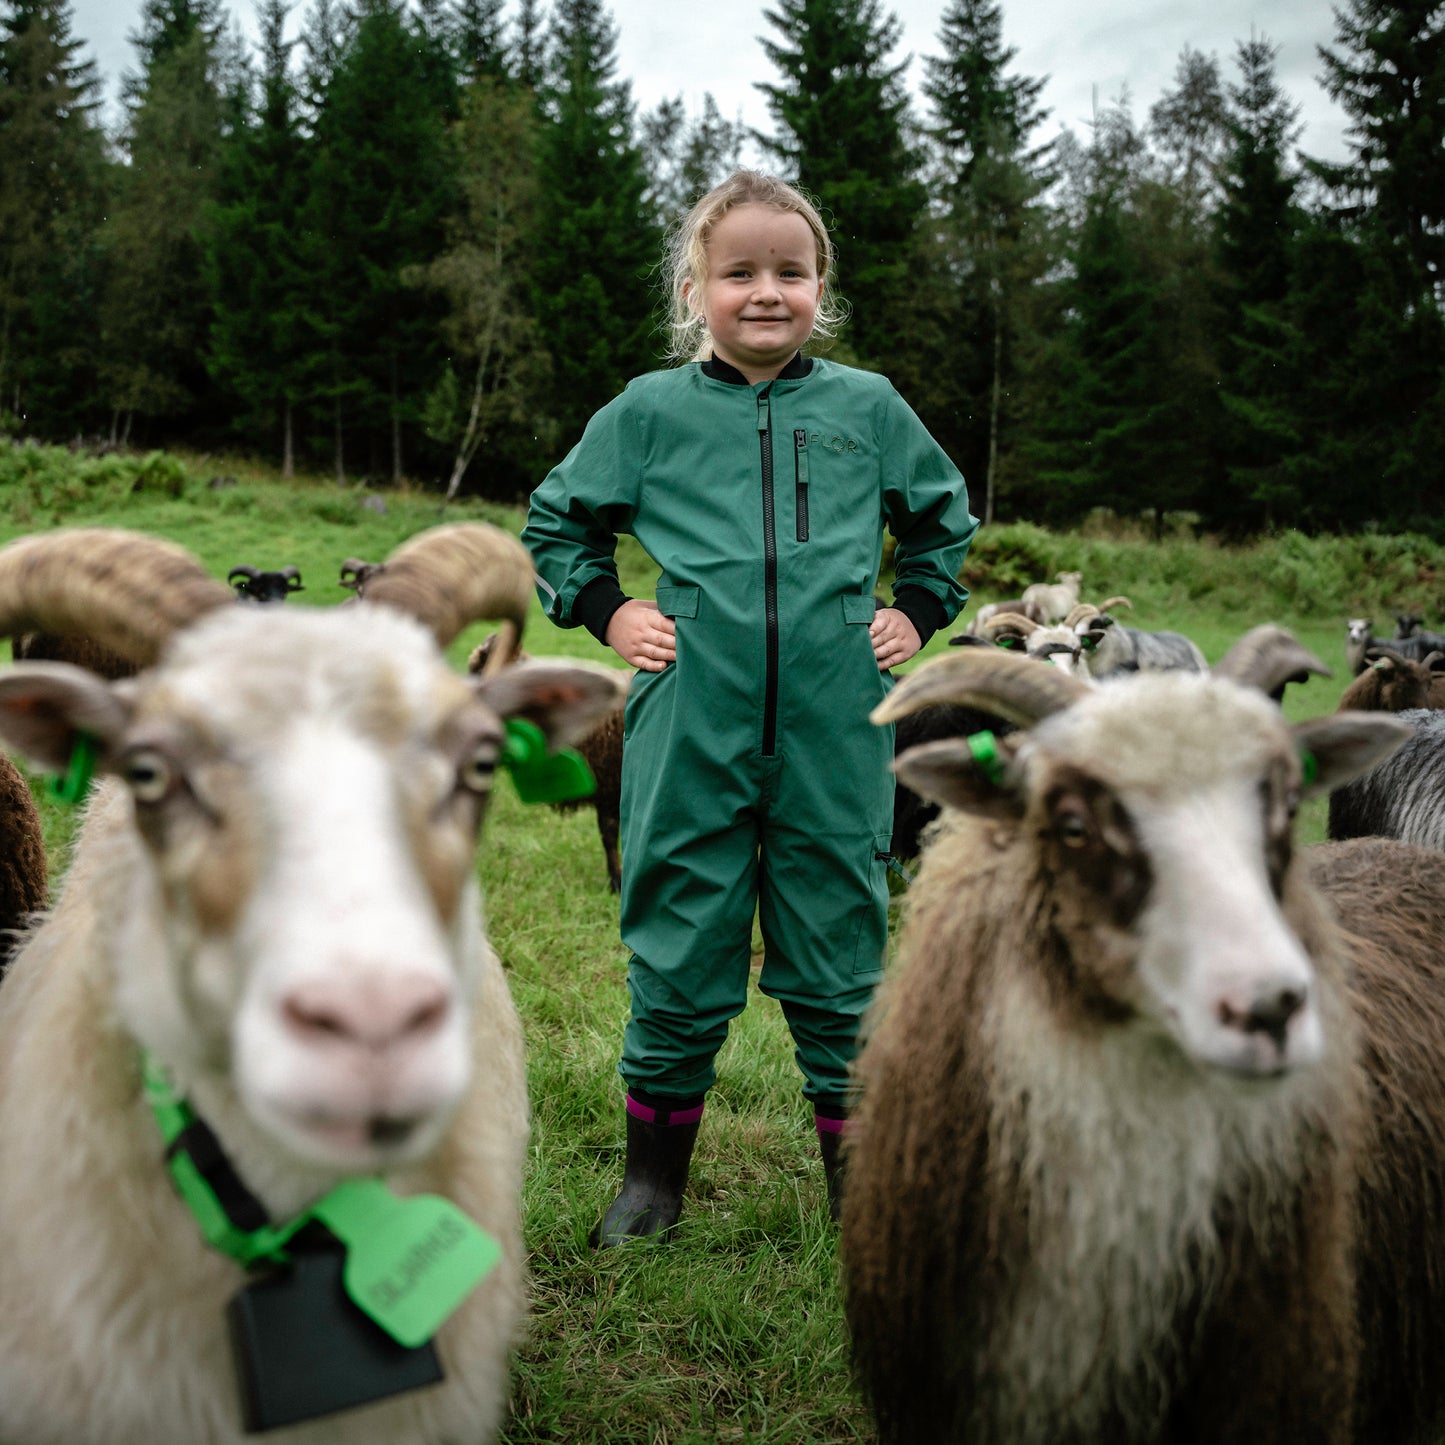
(155, 311)
(1256, 226)
(1174, 209)
(1096, 444)
(477, 38)
(52, 195)
(990, 243)
(1388, 199)
(685, 157)
(381, 183)
(844, 134)
(596, 245)
(253, 268)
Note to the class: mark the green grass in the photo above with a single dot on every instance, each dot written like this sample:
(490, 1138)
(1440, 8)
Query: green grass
(734, 1331)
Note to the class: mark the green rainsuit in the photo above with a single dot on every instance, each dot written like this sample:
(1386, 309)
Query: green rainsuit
(751, 775)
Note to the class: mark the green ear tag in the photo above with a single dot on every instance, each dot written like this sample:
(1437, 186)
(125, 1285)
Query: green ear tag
(71, 785)
(1309, 768)
(541, 776)
(409, 1262)
(984, 747)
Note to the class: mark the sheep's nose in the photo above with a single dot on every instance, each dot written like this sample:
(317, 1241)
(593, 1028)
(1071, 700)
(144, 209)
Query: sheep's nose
(373, 1014)
(1269, 1014)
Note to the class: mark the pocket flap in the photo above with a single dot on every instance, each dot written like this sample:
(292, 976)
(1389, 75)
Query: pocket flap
(678, 601)
(859, 609)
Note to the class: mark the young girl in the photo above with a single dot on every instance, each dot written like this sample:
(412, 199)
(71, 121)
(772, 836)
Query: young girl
(759, 481)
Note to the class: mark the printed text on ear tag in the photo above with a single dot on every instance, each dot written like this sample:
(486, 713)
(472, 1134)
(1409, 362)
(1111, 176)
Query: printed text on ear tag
(409, 1262)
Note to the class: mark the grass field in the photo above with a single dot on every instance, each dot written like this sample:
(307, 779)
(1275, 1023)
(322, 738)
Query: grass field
(734, 1331)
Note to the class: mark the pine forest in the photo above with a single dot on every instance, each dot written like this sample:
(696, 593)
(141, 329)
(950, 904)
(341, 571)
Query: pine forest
(419, 242)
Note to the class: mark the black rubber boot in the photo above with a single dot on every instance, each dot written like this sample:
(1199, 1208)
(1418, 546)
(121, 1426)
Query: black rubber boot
(835, 1164)
(660, 1136)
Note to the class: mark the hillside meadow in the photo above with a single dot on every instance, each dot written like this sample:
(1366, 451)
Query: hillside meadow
(734, 1331)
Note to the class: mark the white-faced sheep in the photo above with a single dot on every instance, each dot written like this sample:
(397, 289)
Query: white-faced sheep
(1150, 1148)
(273, 896)
(1360, 642)
(1053, 600)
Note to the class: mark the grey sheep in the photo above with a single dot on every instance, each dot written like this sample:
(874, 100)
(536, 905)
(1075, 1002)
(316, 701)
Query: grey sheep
(1402, 797)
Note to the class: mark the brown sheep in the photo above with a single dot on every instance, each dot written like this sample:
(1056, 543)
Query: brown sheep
(1150, 1148)
(601, 749)
(23, 869)
(1393, 683)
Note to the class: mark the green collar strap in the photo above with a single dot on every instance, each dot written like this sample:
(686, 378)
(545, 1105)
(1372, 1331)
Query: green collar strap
(410, 1262)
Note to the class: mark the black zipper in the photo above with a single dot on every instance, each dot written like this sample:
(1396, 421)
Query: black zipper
(800, 473)
(770, 580)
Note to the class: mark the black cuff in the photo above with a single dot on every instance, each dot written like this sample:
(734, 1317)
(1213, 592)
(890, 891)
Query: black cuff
(595, 603)
(922, 609)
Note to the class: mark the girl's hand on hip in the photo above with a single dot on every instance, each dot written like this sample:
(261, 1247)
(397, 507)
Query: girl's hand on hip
(895, 638)
(639, 634)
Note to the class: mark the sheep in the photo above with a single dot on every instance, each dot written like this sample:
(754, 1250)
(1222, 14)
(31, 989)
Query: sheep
(1149, 1147)
(1031, 610)
(1359, 639)
(24, 871)
(1404, 796)
(1110, 648)
(1054, 599)
(75, 648)
(273, 896)
(1392, 683)
(1056, 643)
(254, 585)
(601, 750)
(1407, 624)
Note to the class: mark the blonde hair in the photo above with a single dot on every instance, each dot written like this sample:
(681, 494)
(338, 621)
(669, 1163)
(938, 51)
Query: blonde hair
(686, 257)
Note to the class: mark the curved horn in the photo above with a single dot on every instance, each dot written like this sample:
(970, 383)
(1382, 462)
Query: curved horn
(241, 570)
(451, 575)
(1267, 657)
(1109, 603)
(125, 590)
(1008, 622)
(1081, 613)
(355, 574)
(1021, 690)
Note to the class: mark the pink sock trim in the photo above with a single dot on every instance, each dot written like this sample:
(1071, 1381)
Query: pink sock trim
(663, 1116)
(832, 1126)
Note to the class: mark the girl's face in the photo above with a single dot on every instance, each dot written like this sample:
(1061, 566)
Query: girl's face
(762, 288)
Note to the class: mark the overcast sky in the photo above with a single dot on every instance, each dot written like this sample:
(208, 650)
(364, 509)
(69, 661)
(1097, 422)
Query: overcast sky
(1095, 50)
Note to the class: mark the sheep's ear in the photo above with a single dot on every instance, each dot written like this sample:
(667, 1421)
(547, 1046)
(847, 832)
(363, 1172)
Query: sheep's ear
(974, 774)
(564, 699)
(1343, 745)
(44, 706)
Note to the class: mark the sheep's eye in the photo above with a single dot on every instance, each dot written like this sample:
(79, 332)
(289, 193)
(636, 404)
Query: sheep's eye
(478, 769)
(148, 775)
(1072, 829)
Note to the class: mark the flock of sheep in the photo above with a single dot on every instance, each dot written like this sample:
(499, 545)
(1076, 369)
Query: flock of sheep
(1151, 1140)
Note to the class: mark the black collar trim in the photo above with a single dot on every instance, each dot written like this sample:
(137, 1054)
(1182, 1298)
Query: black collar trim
(720, 370)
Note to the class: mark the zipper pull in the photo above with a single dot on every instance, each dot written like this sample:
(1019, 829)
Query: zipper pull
(763, 419)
